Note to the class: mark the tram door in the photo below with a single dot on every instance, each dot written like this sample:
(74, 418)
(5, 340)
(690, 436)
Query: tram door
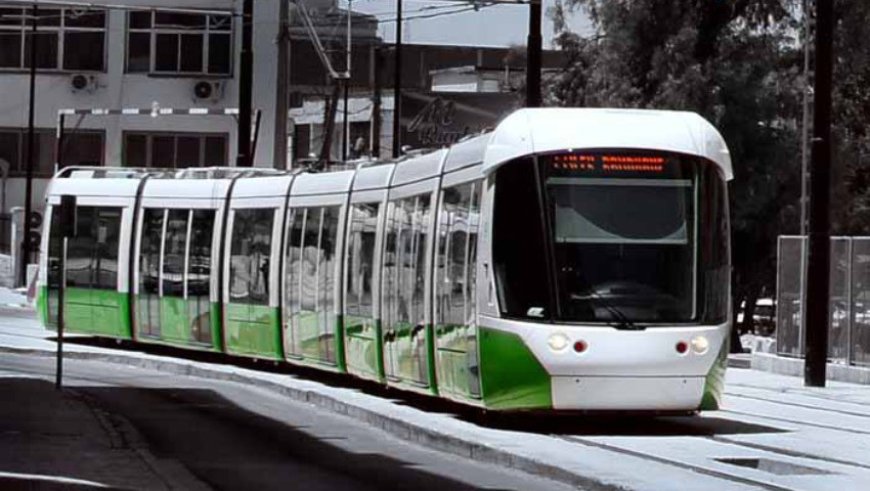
(91, 303)
(404, 292)
(360, 316)
(455, 290)
(175, 255)
(310, 265)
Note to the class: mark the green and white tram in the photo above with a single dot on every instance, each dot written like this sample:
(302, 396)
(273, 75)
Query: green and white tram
(571, 259)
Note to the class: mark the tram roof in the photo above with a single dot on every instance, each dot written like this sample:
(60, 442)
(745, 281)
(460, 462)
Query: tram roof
(530, 131)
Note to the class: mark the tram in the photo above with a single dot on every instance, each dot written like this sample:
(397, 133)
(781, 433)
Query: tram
(568, 260)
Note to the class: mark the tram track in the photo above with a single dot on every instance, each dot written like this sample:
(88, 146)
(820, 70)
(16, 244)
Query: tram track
(676, 463)
(797, 393)
(769, 449)
(797, 422)
(800, 405)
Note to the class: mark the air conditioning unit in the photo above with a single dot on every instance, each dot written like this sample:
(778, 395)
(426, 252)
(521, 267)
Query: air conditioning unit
(208, 90)
(81, 82)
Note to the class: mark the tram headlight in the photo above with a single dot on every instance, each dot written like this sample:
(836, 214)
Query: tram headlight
(700, 345)
(558, 341)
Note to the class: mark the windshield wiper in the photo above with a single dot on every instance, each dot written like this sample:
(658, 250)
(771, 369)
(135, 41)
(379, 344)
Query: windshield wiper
(623, 322)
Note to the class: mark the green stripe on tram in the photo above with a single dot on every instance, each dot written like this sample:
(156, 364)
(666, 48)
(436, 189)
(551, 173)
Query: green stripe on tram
(88, 311)
(715, 381)
(511, 375)
(253, 330)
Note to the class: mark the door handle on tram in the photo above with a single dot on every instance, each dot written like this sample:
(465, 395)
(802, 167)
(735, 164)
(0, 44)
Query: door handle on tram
(489, 284)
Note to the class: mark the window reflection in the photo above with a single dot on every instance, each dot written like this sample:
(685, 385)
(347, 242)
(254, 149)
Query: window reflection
(250, 256)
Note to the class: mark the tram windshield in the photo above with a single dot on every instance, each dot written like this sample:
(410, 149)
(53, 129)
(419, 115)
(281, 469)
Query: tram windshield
(620, 242)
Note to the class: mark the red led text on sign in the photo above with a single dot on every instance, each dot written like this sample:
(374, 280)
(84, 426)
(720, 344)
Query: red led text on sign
(613, 163)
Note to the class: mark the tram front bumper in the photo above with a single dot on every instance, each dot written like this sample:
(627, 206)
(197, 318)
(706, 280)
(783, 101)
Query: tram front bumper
(627, 393)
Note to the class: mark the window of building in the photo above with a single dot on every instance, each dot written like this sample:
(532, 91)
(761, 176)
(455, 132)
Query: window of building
(71, 39)
(175, 151)
(80, 148)
(179, 43)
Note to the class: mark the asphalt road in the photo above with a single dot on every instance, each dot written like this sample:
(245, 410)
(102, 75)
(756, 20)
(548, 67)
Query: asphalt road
(209, 434)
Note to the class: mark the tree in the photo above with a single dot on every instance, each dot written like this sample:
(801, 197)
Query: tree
(738, 64)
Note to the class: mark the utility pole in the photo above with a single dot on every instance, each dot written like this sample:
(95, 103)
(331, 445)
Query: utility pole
(346, 126)
(397, 85)
(28, 190)
(533, 62)
(279, 154)
(246, 76)
(377, 63)
(818, 266)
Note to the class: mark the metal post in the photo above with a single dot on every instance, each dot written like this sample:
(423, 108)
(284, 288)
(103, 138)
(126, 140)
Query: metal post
(346, 125)
(58, 381)
(850, 311)
(818, 267)
(253, 151)
(58, 145)
(376, 104)
(246, 69)
(533, 63)
(28, 189)
(397, 85)
(279, 153)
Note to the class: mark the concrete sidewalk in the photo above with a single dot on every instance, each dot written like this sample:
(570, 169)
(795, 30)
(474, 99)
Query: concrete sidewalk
(52, 439)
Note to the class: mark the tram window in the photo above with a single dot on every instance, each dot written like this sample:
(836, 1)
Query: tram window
(174, 243)
(249, 256)
(148, 306)
(326, 283)
(715, 252)
(293, 262)
(92, 255)
(518, 243)
(310, 273)
(457, 254)
(391, 268)
(199, 261)
(360, 259)
(410, 224)
(108, 234)
(80, 250)
(199, 273)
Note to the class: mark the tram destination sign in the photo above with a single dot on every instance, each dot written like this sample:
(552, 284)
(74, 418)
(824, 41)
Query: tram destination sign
(439, 119)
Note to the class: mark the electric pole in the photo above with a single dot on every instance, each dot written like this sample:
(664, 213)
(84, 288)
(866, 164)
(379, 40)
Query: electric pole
(533, 62)
(397, 85)
(28, 190)
(246, 75)
(818, 266)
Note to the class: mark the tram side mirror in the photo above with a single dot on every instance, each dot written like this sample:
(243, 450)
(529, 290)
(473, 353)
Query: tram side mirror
(67, 216)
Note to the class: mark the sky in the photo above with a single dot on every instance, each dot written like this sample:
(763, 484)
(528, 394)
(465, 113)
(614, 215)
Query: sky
(497, 25)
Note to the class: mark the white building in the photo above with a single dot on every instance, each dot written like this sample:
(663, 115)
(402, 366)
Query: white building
(114, 58)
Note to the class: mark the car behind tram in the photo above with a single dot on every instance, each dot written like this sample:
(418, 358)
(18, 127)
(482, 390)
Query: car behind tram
(569, 260)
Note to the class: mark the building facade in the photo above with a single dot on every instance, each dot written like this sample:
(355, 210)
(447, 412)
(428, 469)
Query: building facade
(128, 58)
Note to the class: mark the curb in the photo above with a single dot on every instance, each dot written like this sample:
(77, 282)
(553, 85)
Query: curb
(424, 436)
